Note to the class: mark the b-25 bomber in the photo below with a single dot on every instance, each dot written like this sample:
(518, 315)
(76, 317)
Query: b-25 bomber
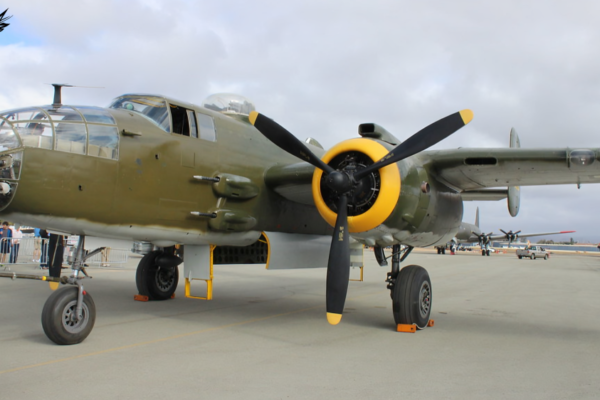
(221, 184)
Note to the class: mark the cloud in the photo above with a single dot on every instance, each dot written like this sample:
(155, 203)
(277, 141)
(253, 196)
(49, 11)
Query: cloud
(321, 68)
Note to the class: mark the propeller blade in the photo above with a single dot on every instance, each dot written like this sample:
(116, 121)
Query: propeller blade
(503, 232)
(338, 268)
(517, 232)
(285, 140)
(421, 140)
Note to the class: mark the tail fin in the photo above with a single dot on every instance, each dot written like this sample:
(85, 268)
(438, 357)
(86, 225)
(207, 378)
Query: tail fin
(477, 217)
(514, 192)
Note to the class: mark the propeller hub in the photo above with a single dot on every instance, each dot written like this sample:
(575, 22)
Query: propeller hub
(339, 181)
(361, 193)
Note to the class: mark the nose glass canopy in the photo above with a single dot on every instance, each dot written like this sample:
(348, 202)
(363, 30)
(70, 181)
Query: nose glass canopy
(82, 130)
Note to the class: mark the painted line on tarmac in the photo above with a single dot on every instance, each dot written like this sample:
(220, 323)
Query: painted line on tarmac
(131, 346)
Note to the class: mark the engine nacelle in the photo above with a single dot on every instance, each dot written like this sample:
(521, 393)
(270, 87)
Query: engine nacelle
(400, 203)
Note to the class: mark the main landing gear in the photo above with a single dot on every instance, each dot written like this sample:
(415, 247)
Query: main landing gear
(157, 274)
(410, 291)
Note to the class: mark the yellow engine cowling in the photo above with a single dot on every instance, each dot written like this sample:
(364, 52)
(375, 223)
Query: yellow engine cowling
(411, 207)
(389, 192)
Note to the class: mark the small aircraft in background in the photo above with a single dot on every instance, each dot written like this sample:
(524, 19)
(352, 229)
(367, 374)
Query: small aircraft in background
(471, 233)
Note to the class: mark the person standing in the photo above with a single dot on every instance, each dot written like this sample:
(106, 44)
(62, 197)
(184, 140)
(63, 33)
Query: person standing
(16, 243)
(5, 241)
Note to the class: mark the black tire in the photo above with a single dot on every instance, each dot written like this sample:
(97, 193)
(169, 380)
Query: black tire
(545, 256)
(439, 251)
(483, 253)
(153, 281)
(443, 251)
(487, 253)
(58, 316)
(520, 257)
(533, 256)
(411, 298)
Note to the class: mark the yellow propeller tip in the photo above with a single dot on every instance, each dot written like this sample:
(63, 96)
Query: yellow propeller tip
(252, 117)
(334, 319)
(53, 285)
(466, 115)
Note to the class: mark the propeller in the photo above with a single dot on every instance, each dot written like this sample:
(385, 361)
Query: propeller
(511, 236)
(343, 183)
(483, 238)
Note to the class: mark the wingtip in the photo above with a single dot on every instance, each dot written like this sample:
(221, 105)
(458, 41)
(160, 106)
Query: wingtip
(252, 117)
(333, 318)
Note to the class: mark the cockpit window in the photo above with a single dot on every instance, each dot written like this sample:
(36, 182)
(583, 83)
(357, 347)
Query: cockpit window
(37, 133)
(8, 139)
(24, 114)
(96, 115)
(154, 108)
(65, 113)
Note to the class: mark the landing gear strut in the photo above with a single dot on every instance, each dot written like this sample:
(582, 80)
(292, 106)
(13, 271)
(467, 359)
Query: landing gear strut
(410, 290)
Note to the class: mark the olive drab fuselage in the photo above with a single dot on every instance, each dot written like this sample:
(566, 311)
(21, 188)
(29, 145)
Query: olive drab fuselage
(152, 187)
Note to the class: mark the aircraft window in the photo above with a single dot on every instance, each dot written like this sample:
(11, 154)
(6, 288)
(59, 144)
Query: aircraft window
(192, 121)
(103, 141)
(207, 127)
(151, 107)
(8, 139)
(70, 137)
(97, 115)
(229, 103)
(35, 133)
(181, 124)
(24, 114)
(64, 114)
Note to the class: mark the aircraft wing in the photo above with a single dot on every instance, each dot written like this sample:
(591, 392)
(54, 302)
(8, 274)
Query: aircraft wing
(524, 235)
(474, 169)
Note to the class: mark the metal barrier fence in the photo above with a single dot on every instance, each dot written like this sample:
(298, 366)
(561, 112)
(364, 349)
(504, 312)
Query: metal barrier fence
(32, 250)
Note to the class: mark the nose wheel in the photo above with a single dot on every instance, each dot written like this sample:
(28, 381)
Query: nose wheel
(62, 322)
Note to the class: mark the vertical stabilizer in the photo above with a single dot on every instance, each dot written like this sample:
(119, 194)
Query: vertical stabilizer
(477, 217)
(514, 192)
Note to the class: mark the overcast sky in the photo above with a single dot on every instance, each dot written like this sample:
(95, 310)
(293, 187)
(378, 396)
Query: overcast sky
(320, 68)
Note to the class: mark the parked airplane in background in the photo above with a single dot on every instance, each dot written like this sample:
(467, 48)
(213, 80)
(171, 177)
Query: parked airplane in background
(208, 185)
(471, 233)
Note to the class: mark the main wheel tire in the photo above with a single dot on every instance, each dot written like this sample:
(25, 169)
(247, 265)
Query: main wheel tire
(411, 298)
(443, 251)
(533, 256)
(483, 253)
(487, 253)
(58, 316)
(156, 282)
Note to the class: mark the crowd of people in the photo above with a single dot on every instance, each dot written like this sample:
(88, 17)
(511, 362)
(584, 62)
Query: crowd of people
(10, 244)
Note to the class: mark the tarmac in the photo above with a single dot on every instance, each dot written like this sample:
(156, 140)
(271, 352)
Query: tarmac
(504, 329)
